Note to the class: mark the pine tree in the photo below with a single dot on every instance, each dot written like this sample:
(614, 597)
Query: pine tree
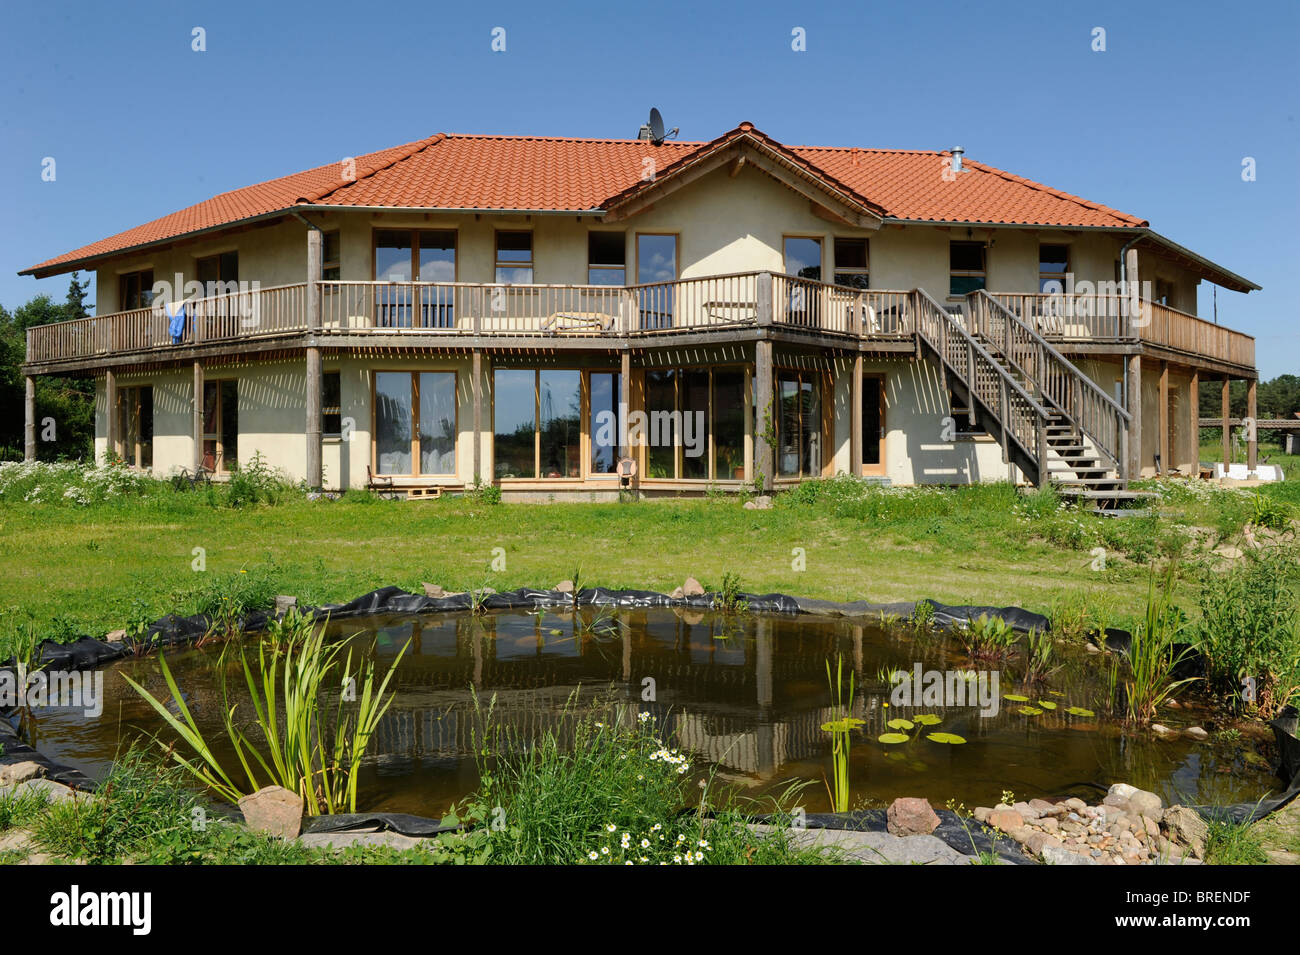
(76, 306)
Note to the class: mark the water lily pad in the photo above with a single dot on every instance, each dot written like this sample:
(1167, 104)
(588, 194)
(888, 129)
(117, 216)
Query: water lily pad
(1056, 693)
(1031, 711)
(900, 724)
(556, 633)
(1015, 698)
(1047, 704)
(927, 719)
(1079, 711)
(842, 725)
(892, 737)
(950, 738)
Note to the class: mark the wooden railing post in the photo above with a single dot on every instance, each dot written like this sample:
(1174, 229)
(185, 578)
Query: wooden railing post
(110, 405)
(764, 453)
(764, 304)
(1227, 428)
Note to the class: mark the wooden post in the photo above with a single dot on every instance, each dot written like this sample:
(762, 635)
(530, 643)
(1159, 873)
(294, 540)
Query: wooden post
(1133, 293)
(1227, 428)
(855, 418)
(1135, 409)
(764, 453)
(1164, 415)
(1194, 421)
(1252, 431)
(198, 415)
(110, 403)
(314, 377)
(29, 420)
(625, 402)
(477, 378)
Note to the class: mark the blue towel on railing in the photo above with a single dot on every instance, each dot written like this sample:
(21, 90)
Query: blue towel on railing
(176, 321)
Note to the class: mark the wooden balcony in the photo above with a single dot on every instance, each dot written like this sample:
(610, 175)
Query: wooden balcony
(584, 314)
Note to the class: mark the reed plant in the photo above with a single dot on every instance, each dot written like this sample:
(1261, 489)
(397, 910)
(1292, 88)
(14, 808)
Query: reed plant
(841, 727)
(1155, 653)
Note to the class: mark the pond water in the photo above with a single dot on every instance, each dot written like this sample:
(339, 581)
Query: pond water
(747, 696)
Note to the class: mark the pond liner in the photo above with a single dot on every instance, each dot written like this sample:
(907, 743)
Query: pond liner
(17, 751)
(400, 822)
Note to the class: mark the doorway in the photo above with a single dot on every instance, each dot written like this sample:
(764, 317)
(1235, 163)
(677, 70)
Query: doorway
(873, 424)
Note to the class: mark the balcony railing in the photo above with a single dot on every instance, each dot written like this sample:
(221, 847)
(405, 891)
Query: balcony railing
(712, 303)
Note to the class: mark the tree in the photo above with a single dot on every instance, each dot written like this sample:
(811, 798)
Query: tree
(76, 306)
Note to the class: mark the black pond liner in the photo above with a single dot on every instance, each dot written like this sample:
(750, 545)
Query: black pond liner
(87, 653)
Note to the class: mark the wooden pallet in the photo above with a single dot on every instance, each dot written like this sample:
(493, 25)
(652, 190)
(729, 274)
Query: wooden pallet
(423, 493)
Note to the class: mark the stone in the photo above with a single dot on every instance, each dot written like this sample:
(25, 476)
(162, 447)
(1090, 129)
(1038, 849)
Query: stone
(911, 816)
(115, 636)
(877, 848)
(15, 773)
(1027, 812)
(1075, 803)
(677, 593)
(1146, 803)
(1122, 790)
(1196, 732)
(1043, 806)
(692, 588)
(273, 810)
(1006, 819)
(1049, 825)
(761, 503)
(564, 587)
(1039, 841)
(433, 590)
(343, 840)
(1164, 732)
(52, 791)
(1185, 827)
(1057, 855)
(284, 603)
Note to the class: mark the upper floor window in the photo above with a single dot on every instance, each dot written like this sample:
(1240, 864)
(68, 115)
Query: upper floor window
(515, 258)
(135, 290)
(331, 256)
(1053, 264)
(411, 255)
(606, 258)
(803, 257)
(219, 273)
(966, 267)
(851, 263)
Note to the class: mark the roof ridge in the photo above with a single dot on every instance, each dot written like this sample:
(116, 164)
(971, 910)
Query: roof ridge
(406, 153)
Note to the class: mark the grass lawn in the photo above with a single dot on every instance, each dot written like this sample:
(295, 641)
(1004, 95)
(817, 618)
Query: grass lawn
(90, 569)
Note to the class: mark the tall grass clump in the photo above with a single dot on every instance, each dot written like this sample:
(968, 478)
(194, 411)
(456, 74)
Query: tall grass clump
(841, 727)
(1155, 653)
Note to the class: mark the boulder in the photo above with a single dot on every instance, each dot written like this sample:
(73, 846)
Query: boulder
(911, 816)
(677, 593)
(1122, 790)
(1185, 827)
(115, 636)
(1196, 732)
(1146, 804)
(15, 773)
(1006, 819)
(564, 587)
(433, 590)
(692, 588)
(273, 810)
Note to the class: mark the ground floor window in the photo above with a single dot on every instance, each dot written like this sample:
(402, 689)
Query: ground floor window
(415, 423)
(799, 430)
(135, 425)
(695, 423)
(537, 422)
(604, 395)
(220, 424)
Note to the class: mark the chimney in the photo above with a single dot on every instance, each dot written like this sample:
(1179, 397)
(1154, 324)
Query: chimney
(957, 153)
(645, 132)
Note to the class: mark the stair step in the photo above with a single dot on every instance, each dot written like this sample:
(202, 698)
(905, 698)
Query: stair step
(1090, 481)
(1089, 495)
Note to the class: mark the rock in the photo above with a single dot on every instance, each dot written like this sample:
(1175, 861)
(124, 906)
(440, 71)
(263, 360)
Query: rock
(1049, 825)
(1185, 827)
(1114, 803)
(283, 603)
(1027, 812)
(981, 813)
(1122, 790)
(1164, 732)
(15, 773)
(1006, 819)
(433, 590)
(692, 588)
(1146, 803)
(564, 587)
(1196, 732)
(1075, 803)
(877, 848)
(343, 840)
(911, 816)
(273, 810)
(677, 594)
(52, 791)
(115, 636)
(1057, 855)
(1043, 806)
(1040, 841)
(763, 503)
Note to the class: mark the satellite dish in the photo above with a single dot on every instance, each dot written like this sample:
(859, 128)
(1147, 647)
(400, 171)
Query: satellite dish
(656, 125)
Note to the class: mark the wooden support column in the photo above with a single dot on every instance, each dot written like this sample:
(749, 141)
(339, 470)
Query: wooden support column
(1135, 409)
(477, 377)
(29, 420)
(625, 402)
(110, 412)
(198, 415)
(1194, 421)
(1252, 434)
(855, 418)
(1164, 416)
(1227, 428)
(314, 378)
(764, 453)
(1132, 309)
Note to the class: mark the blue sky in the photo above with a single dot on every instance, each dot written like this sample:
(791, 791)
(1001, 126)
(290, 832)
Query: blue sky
(1158, 125)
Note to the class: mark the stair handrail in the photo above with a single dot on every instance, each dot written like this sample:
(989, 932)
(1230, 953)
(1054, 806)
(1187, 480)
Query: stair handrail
(956, 347)
(1086, 403)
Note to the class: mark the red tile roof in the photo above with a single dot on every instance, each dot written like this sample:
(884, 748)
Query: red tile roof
(536, 174)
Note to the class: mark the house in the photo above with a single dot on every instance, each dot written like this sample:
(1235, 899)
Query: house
(531, 311)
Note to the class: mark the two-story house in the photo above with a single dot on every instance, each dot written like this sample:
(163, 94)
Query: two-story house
(532, 311)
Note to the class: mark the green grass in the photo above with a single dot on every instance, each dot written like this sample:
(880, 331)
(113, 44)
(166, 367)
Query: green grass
(1232, 843)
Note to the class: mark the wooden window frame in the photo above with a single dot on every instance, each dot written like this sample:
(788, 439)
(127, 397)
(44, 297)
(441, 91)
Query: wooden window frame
(128, 410)
(336, 264)
(820, 239)
(982, 273)
(679, 450)
(327, 409)
(879, 469)
(584, 419)
(1052, 276)
(414, 374)
(837, 269)
(220, 463)
(532, 256)
(593, 267)
(826, 425)
(677, 255)
(137, 274)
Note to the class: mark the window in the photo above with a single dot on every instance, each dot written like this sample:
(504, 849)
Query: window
(696, 423)
(604, 393)
(966, 267)
(515, 258)
(135, 290)
(537, 423)
(606, 258)
(1053, 264)
(851, 263)
(415, 423)
(331, 267)
(135, 425)
(1164, 292)
(415, 255)
(218, 274)
(220, 424)
(803, 257)
(798, 424)
(656, 267)
(331, 405)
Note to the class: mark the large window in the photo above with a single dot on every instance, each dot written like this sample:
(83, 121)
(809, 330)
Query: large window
(135, 425)
(604, 391)
(656, 262)
(331, 405)
(1053, 264)
(966, 267)
(220, 424)
(606, 258)
(803, 257)
(851, 263)
(537, 423)
(135, 290)
(331, 267)
(415, 423)
(798, 424)
(415, 255)
(696, 423)
(514, 258)
(218, 274)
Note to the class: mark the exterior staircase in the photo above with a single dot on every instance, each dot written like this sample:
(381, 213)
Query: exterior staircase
(1053, 422)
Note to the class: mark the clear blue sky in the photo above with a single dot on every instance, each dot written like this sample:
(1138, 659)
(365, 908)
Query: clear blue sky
(1158, 125)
